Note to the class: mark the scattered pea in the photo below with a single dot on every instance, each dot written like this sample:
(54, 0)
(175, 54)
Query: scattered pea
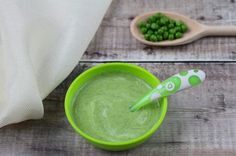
(159, 27)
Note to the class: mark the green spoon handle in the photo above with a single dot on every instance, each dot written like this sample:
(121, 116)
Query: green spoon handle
(172, 85)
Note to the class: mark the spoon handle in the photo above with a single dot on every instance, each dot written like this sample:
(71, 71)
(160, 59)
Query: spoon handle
(172, 85)
(220, 30)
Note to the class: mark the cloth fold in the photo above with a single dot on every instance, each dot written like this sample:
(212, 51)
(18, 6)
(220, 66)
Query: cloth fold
(41, 41)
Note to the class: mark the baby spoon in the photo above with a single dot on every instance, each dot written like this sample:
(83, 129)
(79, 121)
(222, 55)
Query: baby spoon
(172, 85)
(196, 30)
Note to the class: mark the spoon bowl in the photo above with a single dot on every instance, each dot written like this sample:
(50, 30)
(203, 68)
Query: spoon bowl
(195, 29)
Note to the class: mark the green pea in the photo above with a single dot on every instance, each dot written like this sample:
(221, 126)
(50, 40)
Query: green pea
(153, 38)
(171, 21)
(178, 29)
(143, 30)
(154, 26)
(158, 23)
(167, 20)
(160, 31)
(154, 19)
(177, 23)
(164, 28)
(147, 37)
(148, 25)
(163, 21)
(184, 28)
(159, 38)
(171, 37)
(178, 35)
(141, 24)
(158, 16)
(165, 35)
(150, 32)
(171, 25)
(151, 19)
(172, 31)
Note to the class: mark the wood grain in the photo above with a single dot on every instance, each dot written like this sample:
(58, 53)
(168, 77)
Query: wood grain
(113, 40)
(200, 121)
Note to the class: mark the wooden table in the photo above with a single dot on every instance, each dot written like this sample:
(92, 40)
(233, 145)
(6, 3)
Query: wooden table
(200, 121)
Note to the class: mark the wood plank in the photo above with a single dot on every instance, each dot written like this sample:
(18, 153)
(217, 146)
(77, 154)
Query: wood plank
(113, 40)
(200, 121)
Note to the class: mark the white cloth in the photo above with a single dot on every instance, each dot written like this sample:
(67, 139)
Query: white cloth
(41, 41)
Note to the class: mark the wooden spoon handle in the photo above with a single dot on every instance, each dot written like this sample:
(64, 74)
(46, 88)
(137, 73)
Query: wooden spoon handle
(220, 31)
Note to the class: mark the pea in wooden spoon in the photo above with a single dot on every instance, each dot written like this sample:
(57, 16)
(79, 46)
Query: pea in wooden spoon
(195, 30)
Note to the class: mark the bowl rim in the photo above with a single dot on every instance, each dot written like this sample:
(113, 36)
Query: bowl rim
(107, 143)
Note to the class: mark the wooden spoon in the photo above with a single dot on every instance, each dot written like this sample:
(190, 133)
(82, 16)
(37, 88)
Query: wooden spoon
(195, 30)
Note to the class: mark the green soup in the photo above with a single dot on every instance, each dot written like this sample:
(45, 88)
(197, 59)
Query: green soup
(101, 107)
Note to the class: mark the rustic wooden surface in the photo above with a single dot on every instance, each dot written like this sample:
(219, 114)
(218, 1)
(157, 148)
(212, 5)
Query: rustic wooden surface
(200, 121)
(114, 41)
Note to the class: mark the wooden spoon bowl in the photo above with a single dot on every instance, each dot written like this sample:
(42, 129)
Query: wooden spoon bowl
(195, 30)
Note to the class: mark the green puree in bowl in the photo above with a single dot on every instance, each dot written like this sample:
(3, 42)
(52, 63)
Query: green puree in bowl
(101, 107)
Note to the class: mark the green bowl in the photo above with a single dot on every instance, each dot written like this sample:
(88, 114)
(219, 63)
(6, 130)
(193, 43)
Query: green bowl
(87, 75)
